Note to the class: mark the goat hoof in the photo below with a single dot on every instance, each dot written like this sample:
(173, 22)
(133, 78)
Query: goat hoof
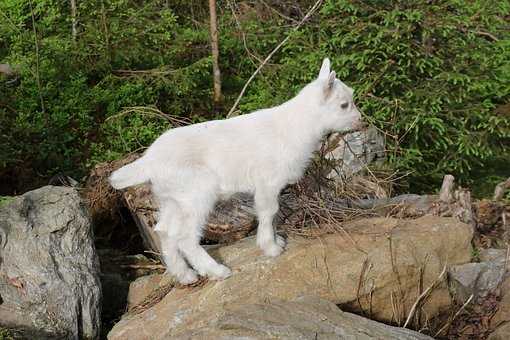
(188, 277)
(272, 250)
(221, 272)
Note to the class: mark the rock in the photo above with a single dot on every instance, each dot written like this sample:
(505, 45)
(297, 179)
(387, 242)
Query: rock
(354, 151)
(501, 333)
(7, 70)
(357, 272)
(493, 254)
(143, 286)
(503, 313)
(478, 279)
(303, 318)
(49, 269)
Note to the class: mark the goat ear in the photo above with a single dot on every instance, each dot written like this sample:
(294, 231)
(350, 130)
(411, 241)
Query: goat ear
(330, 83)
(324, 72)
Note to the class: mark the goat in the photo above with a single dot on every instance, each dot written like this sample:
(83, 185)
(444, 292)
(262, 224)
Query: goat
(191, 167)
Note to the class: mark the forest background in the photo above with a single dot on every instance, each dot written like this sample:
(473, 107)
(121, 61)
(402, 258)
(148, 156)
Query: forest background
(94, 80)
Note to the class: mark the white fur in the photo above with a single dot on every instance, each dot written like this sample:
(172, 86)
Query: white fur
(193, 166)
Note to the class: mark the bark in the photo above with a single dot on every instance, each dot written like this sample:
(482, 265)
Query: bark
(215, 52)
(74, 21)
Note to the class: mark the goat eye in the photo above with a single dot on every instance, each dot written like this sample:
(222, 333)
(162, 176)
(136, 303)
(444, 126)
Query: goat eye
(344, 105)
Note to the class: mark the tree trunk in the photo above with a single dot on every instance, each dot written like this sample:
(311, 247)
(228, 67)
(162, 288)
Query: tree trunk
(215, 52)
(74, 21)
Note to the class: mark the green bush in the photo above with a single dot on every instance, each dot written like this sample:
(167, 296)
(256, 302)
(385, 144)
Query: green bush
(429, 74)
(5, 334)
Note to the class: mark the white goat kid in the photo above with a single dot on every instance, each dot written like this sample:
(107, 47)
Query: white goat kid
(191, 167)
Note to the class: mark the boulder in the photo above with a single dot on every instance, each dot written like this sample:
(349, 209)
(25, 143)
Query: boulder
(493, 255)
(501, 333)
(481, 278)
(303, 318)
(49, 283)
(378, 269)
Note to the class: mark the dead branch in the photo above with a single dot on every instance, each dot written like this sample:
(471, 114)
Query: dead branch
(143, 266)
(486, 34)
(151, 111)
(243, 34)
(145, 72)
(500, 190)
(446, 193)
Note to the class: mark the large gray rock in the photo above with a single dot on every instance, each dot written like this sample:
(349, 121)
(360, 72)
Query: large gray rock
(355, 151)
(379, 270)
(481, 278)
(305, 318)
(49, 269)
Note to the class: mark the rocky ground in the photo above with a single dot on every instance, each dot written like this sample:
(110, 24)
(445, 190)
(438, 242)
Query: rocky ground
(84, 265)
(436, 275)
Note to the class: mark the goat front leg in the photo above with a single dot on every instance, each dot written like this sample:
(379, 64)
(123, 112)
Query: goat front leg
(266, 205)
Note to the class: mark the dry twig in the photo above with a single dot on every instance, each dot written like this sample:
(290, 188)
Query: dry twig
(423, 295)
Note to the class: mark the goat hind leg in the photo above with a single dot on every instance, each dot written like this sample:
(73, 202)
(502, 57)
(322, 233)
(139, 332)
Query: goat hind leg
(167, 229)
(189, 242)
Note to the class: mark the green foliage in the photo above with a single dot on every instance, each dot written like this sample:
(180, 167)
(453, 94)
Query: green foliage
(5, 334)
(427, 74)
(430, 74)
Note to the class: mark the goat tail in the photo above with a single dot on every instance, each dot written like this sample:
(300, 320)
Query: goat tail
(131, 174)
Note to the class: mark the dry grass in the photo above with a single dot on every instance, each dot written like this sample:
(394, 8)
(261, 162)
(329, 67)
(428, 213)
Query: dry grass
(102, 199)
(317, 204)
